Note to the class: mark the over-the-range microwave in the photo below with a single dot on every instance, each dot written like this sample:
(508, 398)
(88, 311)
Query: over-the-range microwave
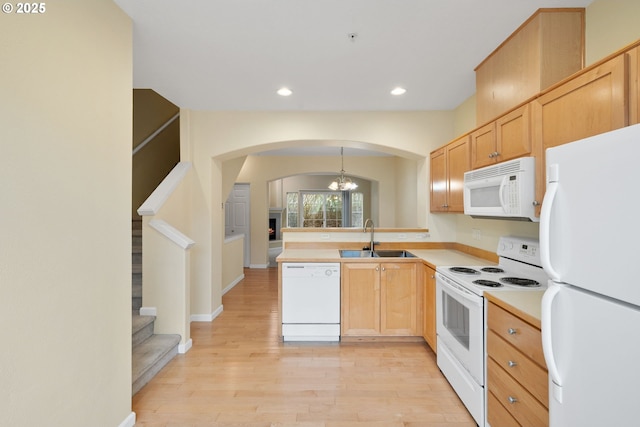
(503, 191)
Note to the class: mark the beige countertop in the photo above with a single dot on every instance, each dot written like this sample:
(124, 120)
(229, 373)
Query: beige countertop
(524, 304)
(433, 257)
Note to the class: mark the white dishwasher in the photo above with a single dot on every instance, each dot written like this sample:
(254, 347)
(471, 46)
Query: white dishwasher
(311, 301)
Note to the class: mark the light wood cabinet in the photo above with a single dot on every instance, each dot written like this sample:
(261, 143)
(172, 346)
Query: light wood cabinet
(448, 165)
(546, 48)
(483, 146)
(507, 138)
(360, 299)
(429, 306)
(379, 299)
(593, 102)
(634, 85)
(517, 380)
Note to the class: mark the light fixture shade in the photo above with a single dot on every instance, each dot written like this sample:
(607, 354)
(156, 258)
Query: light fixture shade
(341, 183)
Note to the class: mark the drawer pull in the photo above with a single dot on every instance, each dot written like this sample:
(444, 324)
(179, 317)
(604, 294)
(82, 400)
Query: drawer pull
(512, 400)
(512, 364)
(512, 331)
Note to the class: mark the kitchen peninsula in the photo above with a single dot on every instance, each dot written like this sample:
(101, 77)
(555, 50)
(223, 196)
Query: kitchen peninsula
(382, 298)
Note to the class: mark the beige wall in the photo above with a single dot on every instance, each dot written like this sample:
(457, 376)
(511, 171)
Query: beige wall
(215, 137)
(154, 161)
(232, 262)
(65, 216)
(611, 25)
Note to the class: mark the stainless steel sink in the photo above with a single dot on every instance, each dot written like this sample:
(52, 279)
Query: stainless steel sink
(345, 253)
(348, 253)
(393, 254)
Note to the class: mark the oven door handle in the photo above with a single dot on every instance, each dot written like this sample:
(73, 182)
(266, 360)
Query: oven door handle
(461, 292)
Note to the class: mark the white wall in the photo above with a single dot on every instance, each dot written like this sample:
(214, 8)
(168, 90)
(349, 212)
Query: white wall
(65, 215)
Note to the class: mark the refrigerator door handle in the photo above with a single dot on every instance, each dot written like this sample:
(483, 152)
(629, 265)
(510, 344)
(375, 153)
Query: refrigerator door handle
(545, 230)
(547, 347)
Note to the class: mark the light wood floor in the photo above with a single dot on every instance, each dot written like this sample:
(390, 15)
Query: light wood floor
(238, 373)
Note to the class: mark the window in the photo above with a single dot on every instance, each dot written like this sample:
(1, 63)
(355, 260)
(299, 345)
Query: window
(322, 209)
(292, 210)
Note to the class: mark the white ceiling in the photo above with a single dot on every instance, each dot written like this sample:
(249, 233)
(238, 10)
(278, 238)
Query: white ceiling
(235, 54)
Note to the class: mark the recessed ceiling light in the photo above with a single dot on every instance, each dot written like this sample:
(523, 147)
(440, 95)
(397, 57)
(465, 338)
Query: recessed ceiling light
(398, 91)
(284, 91)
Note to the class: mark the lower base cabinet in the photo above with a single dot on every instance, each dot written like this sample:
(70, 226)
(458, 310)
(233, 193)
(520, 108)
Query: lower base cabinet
(380, 299)
(517, 380)
(429, 306)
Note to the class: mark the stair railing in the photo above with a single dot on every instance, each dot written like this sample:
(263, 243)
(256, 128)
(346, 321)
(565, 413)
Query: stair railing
(166, 263)
(154, 134)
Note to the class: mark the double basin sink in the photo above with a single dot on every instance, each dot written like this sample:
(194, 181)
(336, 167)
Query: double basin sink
(344, 253)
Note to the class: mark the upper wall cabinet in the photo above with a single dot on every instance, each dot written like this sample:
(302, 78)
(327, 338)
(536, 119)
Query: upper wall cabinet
(591, 103)
(448, 165)
(507, 138)
(634, 85)
(548, 47)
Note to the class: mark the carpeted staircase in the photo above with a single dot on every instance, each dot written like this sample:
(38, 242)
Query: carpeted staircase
(151, 352)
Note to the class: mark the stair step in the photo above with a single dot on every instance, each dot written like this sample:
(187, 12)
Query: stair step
(150, 356)
(141, 328)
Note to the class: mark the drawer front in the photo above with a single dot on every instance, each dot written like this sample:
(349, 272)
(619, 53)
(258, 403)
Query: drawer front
(525, 408)
(517, 332)
(497, 415)
(520, 367)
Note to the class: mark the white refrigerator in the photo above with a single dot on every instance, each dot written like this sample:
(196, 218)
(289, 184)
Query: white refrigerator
(590, 248)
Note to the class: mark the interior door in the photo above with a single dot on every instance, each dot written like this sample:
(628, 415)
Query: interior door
(237, 217)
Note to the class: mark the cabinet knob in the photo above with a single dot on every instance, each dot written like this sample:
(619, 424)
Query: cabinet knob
(512, 364)
(445, 206)
(512, 400)
(377, 268)
(383, 269)
(536, 203)
(511, 331)
(433, 277)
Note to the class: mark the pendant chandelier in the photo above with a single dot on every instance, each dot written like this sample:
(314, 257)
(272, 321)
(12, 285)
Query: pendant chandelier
(341, 183)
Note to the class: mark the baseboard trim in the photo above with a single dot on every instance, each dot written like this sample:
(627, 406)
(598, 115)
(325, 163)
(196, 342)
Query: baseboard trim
(183, 348)
(258, 265)
(207, 317)
(232, 284)
(148, 311)
(130, 421)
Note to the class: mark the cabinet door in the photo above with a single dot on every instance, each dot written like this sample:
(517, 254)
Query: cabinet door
(458, 162)
(513, 134)
(439, 185)
(483, 146)
(589, 104)
(398, 299)
(360, 299)
(429, 333)
(634, 85)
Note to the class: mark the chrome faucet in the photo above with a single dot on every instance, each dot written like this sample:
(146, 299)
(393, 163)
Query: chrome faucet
(364, 230)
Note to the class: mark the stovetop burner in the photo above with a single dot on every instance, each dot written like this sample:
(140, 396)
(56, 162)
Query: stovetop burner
(488, 283)
(519, 281)
(492, 270)
(464, 270)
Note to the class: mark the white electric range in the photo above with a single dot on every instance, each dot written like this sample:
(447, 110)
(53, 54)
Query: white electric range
(461, 314)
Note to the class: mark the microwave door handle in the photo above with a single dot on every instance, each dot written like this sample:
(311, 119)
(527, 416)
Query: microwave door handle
(503, 184)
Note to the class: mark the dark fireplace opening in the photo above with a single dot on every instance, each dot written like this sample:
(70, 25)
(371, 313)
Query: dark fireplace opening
(272, 229)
